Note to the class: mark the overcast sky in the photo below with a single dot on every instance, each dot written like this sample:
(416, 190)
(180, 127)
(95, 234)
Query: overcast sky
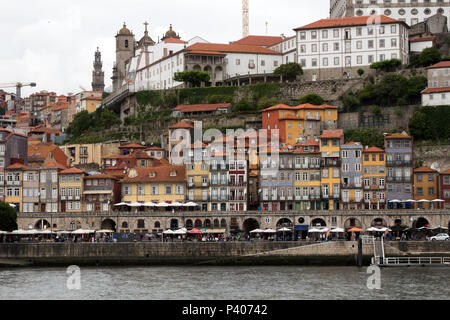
(52, 42)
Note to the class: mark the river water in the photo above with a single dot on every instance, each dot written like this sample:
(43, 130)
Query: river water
(223, 283)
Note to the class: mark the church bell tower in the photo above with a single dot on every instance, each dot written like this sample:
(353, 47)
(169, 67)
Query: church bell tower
(98, 76)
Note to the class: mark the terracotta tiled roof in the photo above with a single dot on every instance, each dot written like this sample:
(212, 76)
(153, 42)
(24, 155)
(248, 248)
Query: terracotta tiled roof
(306, 106)
(279, 107)
(446, 172)
(162, 174)
(72, 171)
(132, 146)
(424, 170)
(290, 117)
(352, 143)
(55, 164)
(264, 41)
(348, 21)
(173, 40)
(436, 90)
(202, 107)
(16, 166)
(216, 53)
(218, 47)
(155, 148)
(373, 150)
(397, 136)
(420, 39)
(183, 125)
(442, 64)
(327, 134)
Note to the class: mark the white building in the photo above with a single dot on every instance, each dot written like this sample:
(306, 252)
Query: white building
(223, 61)
(409, 11)
(288, 47)
(438, 91)
(417, 44)
(337, 48)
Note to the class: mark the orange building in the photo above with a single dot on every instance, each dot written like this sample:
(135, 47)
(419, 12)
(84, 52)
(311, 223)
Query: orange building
(294, 123)
(426, 187)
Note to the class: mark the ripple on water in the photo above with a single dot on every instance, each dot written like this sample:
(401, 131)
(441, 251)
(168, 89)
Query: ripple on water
(224, 283)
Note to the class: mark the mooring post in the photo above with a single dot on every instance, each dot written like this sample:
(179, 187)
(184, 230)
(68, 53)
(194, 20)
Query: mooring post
(360, 253)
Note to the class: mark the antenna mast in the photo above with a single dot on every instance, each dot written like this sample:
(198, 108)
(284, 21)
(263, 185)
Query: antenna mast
(245, 18)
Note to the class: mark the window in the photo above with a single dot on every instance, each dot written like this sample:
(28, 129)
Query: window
(168, 189)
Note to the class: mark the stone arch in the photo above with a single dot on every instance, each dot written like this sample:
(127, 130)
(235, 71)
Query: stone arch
(284, 222)
(216, 223)
(352, 222)
(378, 222)
(198, 223)
(197, 67)
(125, 225)
(207, 69)
(108, 224)
(140, 224)
(218, 74)
(223, 223)
(420, 222)
(189, 224)
(174, 224)
(249, 225)
(42, 224)
(207, 223)
(157, 225)
(318, 222)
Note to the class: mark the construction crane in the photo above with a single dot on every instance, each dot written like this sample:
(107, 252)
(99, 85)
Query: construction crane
(245, 18)
(18, 86)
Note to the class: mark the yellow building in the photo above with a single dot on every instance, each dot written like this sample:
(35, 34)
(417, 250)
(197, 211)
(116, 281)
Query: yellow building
(426, 182)
(13, 185)
(71, 190)
(330, 148)
(374, 178)
(157, 184)
(91, 103)
(307, 175)
(79, 154)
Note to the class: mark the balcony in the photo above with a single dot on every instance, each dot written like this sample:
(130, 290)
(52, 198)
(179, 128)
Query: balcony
(63, 197)
(237, 198)
(336, 196)
(298, 198)
(399, 163)
(331, 162)
(305, 197)
(237, 183)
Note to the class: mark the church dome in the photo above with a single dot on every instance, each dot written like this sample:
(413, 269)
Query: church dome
(171, 34)
(125, 30)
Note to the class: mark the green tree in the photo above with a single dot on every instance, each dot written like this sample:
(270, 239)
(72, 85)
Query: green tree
(243, 105)
(8, 217)
(312, 98)
(194, 77)
(387, 65)
(109, 119)
(427, 57)
(351, 102)
(80, 124)
(367, 137)
(289, 70)
(360, 72)
(416, 85)
(419, 126)
(392, 87)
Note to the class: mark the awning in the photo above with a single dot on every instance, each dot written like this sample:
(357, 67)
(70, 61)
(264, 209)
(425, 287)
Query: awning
(98, 192)
(215, 231)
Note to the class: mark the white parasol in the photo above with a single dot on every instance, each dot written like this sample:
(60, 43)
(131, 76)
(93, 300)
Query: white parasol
(269, 231)
(257, 231)
(338, 230)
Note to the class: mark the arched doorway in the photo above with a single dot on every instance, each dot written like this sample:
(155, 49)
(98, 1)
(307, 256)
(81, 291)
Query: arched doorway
(189, 224)
(216, 224)
(198, 223)
(207, 223)
(378, 223)
(223, 223)
(421, 222)
(42, 224)
(174, 224)
(318, 222)
(249, 225)
(284, 223)
(218, 73)
(351, 223)
(108, 224)
(197, 67)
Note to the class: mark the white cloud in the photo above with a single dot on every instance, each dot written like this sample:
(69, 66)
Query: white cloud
(52, 42)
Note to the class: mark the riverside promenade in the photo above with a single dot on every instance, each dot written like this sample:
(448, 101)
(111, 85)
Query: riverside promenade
(197, 253)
